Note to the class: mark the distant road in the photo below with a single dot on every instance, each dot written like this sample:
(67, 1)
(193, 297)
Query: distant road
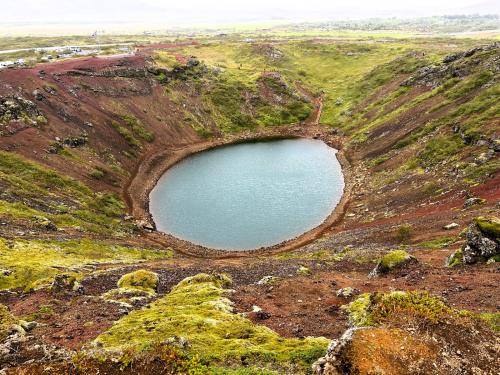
(63, 47)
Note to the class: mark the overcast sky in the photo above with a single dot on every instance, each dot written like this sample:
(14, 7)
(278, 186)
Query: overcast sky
(206, 12)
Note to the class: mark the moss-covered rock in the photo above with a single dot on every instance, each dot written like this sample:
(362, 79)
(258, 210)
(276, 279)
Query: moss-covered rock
(127, 297)
(410, 332)
(358, 311)
(482, 240)
(141, 280)
(392, 260)
(198, 310)
(65, 283)
(454, 259)
(489, 226)
(375, 351)
(373, 309)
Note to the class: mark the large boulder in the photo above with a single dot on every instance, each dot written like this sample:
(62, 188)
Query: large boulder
(481, 242)
(410, 333)
(375, 351)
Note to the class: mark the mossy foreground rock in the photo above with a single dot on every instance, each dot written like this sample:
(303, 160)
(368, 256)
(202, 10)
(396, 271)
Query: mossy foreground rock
(411, 333)
(392, 260)
(372, 309)
(198, 310)
(395, 350)
(141, 279)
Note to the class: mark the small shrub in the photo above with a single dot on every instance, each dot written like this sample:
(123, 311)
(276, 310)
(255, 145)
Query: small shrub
(97, 173)
(138, 128)
(127, 134)
(404, 232)
(440, 148)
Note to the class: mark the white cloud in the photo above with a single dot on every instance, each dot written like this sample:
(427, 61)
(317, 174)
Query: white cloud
(190, 12)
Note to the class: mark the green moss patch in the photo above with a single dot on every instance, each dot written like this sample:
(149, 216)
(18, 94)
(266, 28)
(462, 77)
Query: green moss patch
(437, 243)
(388, 262)
(198, 310)
(144, 280)
(493, 319)
(373, 309)
(489, 226)
(455, 259)
(34, 263)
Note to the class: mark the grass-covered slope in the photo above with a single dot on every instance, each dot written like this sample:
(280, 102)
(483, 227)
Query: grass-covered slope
(233, 97)
(444, 116)
(40, 195)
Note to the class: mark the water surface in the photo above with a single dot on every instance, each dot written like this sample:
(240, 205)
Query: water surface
(249, 195)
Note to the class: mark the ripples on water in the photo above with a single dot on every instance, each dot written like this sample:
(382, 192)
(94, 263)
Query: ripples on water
(249, 195)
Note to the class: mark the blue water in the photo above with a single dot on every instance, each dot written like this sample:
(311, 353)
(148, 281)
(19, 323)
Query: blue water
(249, 195)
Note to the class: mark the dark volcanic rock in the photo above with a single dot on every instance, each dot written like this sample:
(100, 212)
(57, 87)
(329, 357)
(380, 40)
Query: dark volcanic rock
(481, 241)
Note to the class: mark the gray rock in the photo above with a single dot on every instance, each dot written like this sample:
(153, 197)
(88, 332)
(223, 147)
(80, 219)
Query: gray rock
(328, 365)
(64, 284)
(178, 341)
(479, 246)
(487, 247)
(347, 292)
(451, 226)
(5, 272)
(38, 95)
(484, 157)
(267, 280)
(145, 225)
(27, 326)
(473, 201)
(495, 145)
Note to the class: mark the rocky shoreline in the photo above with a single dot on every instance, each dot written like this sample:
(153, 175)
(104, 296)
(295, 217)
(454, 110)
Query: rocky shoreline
(152, 167)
